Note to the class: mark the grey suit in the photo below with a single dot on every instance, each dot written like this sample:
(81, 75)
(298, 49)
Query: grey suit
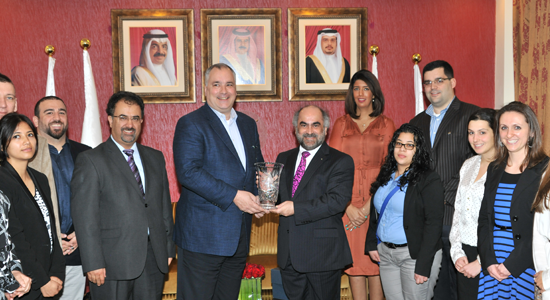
(112, 218)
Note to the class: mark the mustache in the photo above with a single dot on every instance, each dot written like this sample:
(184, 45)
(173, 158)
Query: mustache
(126, 128)
(159, 54)
(242, 47)
(308, 135)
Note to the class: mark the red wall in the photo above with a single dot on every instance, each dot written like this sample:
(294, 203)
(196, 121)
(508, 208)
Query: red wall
(459, 31)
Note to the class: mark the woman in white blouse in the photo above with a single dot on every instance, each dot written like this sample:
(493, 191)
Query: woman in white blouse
(541, 237)
(463, 236)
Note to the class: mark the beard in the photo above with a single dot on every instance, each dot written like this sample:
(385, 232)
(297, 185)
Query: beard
(318, 141)
(128, 138)
(56, 134)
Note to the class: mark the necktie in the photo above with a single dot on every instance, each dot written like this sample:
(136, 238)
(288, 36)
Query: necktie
(299, 172)
(134, 168)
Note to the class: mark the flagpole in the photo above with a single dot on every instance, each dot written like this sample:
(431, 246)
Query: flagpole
(374, 50)
(419, 98)
(50, 82)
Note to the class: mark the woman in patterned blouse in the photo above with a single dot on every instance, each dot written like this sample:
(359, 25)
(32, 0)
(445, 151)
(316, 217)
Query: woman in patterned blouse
(463, 236)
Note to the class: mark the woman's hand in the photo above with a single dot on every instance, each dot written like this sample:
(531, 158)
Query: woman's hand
(538, 281)
(374, 255)
(355, 216)
(495, 272)
(460, 263)
(472, 269)
(420, 279)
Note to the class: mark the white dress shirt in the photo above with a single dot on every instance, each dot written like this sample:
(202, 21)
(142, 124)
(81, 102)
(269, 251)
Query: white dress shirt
(308, 159)
(541, 248)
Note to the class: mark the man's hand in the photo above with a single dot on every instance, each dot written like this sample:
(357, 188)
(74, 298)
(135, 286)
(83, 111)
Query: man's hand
(169, 261)
(97, 276)
(248, 203)
(24, 285)
(420, 279)
(51, 288)
(374, 255)
(285, 209)
(70, 245)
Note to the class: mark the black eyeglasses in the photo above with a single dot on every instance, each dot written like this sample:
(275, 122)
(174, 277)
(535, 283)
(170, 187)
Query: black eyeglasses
(436, 81)
(399, 145)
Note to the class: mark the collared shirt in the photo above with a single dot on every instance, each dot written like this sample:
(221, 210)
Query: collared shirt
(137, 160)
(63, 167)
(390, 228)
(436, 120)
(308, 159)
(233, 132)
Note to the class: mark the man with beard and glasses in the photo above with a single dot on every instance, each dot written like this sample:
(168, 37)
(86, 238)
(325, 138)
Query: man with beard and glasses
(50, 117)
(315, 188)
(121, 209)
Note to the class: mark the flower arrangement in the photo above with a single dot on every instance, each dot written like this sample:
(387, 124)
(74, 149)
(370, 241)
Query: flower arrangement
(253, 271)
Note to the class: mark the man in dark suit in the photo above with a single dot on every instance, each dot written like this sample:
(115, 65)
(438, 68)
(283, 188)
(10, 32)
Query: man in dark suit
(314, 189)
(121, 209)
(50, 118)
(215, 149)
(445, 125)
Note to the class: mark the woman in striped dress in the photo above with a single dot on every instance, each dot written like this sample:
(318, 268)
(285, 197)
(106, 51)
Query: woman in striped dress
(505, 228)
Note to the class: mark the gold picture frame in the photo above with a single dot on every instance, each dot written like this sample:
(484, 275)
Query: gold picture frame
(164, 75)
(308, 80)
(256, 60)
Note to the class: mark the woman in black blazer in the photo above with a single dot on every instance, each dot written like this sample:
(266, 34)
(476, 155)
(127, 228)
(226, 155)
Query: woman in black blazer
(505, 230)
(31, 218)
(406, 237)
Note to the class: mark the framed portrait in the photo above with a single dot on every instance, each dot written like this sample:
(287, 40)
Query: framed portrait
(153, 54)
(248, 41)
(326, 46)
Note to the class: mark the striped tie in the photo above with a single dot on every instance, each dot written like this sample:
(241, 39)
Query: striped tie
(134, 168)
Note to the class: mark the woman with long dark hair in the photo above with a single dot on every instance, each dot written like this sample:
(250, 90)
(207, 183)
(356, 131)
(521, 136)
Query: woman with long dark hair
(364, 133)
(31, 218)
(463, 236)
(541, 238)
(505, 229)
(406, 218)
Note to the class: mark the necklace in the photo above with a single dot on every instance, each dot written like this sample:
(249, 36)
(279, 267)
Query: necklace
(364, 125)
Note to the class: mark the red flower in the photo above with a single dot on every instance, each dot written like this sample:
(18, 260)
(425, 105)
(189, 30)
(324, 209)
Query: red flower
(253, 271)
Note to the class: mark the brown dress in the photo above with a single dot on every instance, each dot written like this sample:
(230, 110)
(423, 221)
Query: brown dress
(368, 150)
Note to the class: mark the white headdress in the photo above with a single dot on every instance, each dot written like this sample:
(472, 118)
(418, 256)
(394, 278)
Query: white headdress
(145, 60)
(332, 63)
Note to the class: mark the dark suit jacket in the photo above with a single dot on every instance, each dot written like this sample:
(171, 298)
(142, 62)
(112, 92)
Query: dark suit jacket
(521, 217)
(422, 221)
(28, 229)
(210, 172)
(111, 217)
(314, 237)
(450, 148)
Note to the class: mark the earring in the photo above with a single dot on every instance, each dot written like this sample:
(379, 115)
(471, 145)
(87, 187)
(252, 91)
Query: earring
(530, 143)
(373, 100)
(500, 143)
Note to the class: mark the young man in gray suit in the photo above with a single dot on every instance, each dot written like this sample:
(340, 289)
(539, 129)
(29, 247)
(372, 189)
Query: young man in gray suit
(121, 209)
(314, 190)
(445, 125)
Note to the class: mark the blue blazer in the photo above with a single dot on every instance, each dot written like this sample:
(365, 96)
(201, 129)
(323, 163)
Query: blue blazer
(210, 173)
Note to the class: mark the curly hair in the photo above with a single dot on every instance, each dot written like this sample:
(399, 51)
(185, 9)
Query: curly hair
(420, 161)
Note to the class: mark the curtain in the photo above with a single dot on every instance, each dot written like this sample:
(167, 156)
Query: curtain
(532, 59)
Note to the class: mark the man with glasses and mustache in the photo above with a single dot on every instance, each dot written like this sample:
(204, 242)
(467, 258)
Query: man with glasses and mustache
(156, 62)
(50, 117)
(121, 209)
(314, 190)
(243, 58)
(445, 124)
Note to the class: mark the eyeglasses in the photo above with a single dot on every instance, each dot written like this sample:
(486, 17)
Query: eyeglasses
(125, 118)
(436, 82)
(399, 145)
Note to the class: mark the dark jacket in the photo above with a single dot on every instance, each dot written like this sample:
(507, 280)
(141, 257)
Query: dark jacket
(422, 221)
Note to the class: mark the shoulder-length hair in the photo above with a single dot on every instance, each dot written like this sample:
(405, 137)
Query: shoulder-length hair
(535, 152)
(420, 161)
(374, 86)
(8, 124)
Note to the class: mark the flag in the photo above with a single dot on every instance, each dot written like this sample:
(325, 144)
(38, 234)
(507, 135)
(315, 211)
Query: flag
(91, 127)
(50, 82)
(375, 66)
(419, 99)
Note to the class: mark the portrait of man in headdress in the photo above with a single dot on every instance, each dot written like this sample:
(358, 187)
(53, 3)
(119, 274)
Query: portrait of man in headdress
(241, 53)
(156, 62)
(326, 64)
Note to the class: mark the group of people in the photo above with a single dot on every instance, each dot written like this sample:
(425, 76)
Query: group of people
(413, 212)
